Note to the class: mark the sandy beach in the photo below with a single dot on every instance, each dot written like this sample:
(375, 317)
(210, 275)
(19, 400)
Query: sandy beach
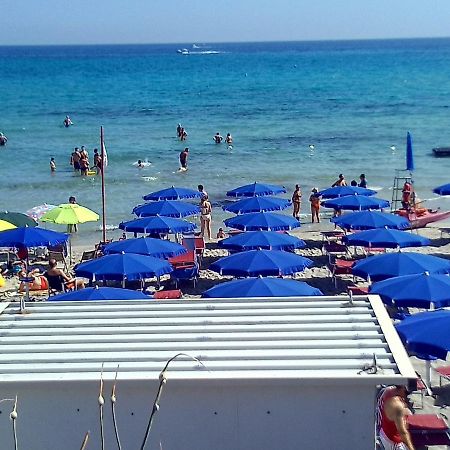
(318, 275)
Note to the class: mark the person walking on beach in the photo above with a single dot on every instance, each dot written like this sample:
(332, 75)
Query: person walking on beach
(340, 181)
(183, 158)
(218, 138)
(391, 416)
(297, 202)
(52, 165)
(205, 217)
(314, 200)
(362, 181)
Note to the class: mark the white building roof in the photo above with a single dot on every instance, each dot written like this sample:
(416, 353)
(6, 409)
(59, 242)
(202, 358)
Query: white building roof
(290, 338)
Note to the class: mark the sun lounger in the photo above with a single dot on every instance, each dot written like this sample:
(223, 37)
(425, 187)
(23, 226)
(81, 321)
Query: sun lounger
(341, 267)
(358, 290)
(169, 294)
(443, 372)
(334, 249)
(332, 236)
(422, 389)
(428, 429)
(87, 256)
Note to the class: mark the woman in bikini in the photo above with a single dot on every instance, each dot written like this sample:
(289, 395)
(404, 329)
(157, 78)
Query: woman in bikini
(205, 216)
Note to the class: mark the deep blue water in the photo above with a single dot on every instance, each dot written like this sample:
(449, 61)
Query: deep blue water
(352, 100)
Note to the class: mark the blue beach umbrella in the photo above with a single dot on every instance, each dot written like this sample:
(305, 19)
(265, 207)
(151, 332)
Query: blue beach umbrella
(422, 290)
(123, 266)
(409, 153)
(367, 220)
(256, 189)
(254, 263)
(262, 221)
(342, 191)
(99, 293)
(356, 203)
(396, 264)
(262, 287)
(427, 333)
(258, 204)
(158, 248)
(267, 240)
(442, 190)
(173, 193)
(31, 237)
(385, 238)
(166, 208)
(157, 225)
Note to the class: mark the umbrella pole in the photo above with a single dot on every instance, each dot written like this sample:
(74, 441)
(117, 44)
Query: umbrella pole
(103, 185)
(428, 372)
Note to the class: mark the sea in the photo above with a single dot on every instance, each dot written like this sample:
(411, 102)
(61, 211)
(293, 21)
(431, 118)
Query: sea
(299, 113)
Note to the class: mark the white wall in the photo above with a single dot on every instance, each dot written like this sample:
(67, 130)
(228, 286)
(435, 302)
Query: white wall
(197, 416)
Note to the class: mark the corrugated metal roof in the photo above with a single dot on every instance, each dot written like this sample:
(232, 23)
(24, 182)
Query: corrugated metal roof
(293, 338)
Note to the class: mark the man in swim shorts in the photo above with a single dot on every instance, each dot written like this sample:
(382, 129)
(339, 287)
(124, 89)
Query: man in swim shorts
(391, 416)
(184, 157)
(218, 138)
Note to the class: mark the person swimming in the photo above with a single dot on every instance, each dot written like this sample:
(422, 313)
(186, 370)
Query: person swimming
(139, 164)
(218, 138)
(3, 139)
(67, 122)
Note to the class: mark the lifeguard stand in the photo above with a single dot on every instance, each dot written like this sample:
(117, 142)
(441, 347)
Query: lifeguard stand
(401, 176)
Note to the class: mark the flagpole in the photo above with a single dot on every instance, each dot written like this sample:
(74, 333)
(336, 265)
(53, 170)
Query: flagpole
(102, 146)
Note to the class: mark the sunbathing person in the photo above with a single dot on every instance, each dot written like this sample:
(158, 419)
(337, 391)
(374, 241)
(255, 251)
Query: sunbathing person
(58, 279)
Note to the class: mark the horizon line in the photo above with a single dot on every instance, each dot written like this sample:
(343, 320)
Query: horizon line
(369, 39)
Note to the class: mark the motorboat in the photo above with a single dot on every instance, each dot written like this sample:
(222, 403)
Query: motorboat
(183, 51)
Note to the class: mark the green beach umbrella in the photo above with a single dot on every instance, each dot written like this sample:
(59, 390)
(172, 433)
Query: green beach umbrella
(17, 219)
(70, 214)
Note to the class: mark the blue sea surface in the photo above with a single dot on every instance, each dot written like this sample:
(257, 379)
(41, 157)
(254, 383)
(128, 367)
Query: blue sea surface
(351, 100)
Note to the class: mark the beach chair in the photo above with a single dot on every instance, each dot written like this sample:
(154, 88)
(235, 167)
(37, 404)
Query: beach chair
(88, 255)
(195, 243)
(358, 290)
(332, 236)
(185, 267)
(428, 430)
(443, 372)
(168, 295)
(59, 257)
(334, 249)
(341, 267)
(422, 389)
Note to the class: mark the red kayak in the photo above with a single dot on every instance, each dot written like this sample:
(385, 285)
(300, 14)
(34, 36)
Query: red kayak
(421, 217)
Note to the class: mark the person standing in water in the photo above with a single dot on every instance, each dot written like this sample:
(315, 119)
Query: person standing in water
(218, 138)
(229, 139)
(52, 165)
(297, 202)
(67, 122)
(3, 139)
(340, 181)
(179, 128)
(183, 158)
(362, 181)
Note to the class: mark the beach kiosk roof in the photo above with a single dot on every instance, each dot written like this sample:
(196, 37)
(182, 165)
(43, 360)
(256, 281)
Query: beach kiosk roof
(291, 364)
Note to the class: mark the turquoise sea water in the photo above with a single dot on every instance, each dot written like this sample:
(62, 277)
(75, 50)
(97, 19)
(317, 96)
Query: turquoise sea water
(351, 100)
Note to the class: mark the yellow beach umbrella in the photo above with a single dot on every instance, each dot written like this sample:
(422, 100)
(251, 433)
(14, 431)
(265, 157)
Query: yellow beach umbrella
(4, 225)
(70, 214)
